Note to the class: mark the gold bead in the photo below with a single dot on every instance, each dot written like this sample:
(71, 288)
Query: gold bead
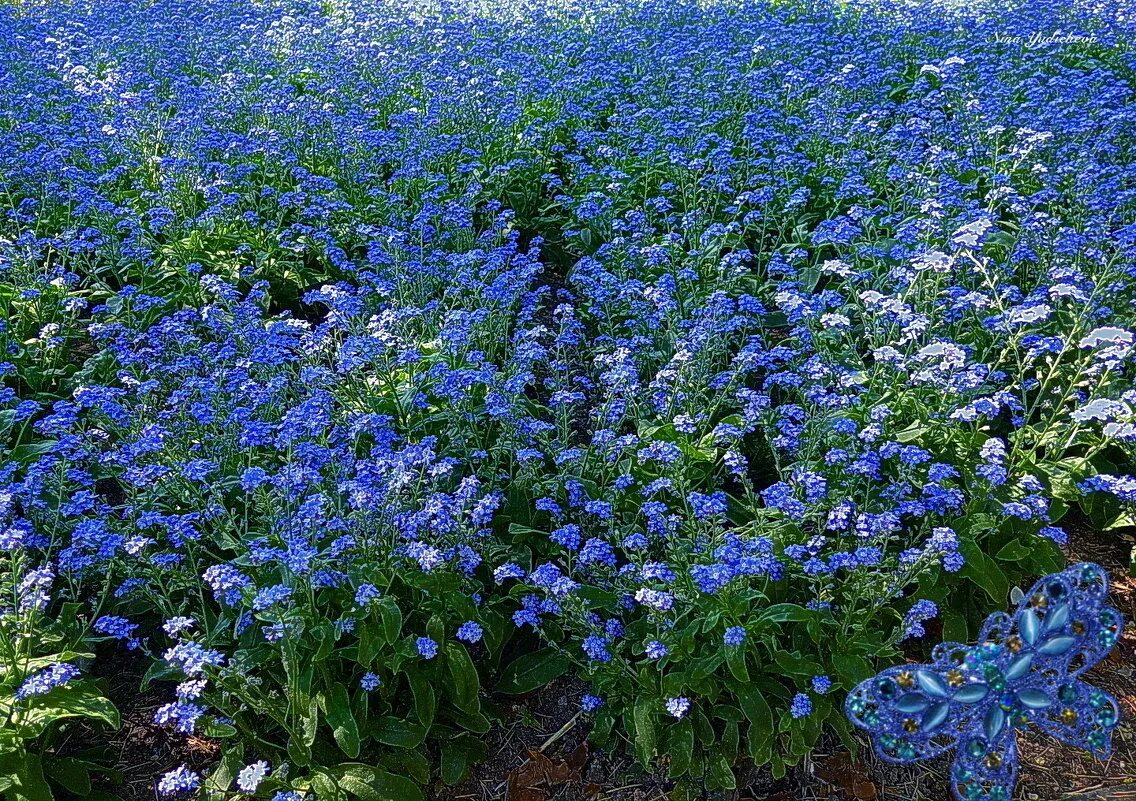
(1068, 716)
(955, 677)
(993, 761)
(1078, 627)
(910, 726)
(905, 679)
(1014, 644)
(1039, 600)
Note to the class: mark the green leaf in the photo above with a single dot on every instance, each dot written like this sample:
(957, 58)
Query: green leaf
(758, 713)
(984, 572)
(391, 616)
(476, 723)
(25, 777)
(735, 659)
(954, 625)
(1012, 551)
(680, 746)
(326, 788)
(643, 717)
(408, 763)
(425, 703)
(309, 723)
(532, 671)
(77, 699)
(218, 730)
(398, 733)
(911, 433)
(851, 667)
(337, 708)
(464, 674)
(458, 755)
(719, 774)
(74, 775)
(232, 760)
(794, 664)
(786, 613)
(371, 641)
(324, 635)
(26, 453)
(375, 784)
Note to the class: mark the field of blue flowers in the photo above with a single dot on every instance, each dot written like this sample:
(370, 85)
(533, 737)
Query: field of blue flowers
(368, 365)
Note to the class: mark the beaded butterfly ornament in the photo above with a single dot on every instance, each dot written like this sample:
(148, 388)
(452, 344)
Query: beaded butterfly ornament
(1024, 670)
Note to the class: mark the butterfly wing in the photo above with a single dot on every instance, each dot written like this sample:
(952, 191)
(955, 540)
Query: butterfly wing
(1062, 628)
(986, 767)
(1084, 717)
(918, 711)
(1024, 668)
(1065, 623)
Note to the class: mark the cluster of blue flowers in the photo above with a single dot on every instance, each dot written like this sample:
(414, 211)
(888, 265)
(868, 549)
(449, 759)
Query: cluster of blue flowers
(707, 349)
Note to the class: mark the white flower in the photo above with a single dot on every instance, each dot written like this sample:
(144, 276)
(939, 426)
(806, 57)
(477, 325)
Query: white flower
(1101, 409)
(969, 235)
(936, 261)
(836, 267)
(1067, 291)
(252, 775)
(1028, 314)
(1106, 335)
(1124, 431)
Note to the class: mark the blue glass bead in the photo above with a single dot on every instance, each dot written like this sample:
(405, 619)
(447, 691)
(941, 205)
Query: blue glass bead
(1019, 667)
(1056, 618)
(972, 693)
(1034, 699)
(1067, 693)
(993, 723)
(1055, 646)
(912, 702)
(1029, 626)
(995, 678)
(976, 747)
(934, 717)
(931, 684)
(887, 689)
(998, 793)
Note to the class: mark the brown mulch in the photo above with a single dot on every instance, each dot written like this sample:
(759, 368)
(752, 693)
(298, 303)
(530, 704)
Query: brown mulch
(540, 753)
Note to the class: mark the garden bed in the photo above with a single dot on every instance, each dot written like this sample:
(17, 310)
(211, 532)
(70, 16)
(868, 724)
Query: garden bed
(568, 400)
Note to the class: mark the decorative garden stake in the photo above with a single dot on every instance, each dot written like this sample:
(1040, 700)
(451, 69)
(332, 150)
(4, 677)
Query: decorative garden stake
(1025, 669)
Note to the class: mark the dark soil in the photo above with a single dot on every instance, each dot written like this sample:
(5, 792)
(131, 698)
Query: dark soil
(141, 751)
